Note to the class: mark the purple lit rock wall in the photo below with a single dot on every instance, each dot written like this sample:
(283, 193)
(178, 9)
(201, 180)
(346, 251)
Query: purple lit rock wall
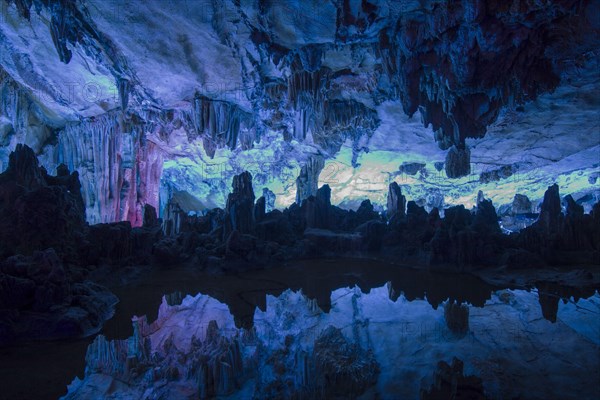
(499, 96)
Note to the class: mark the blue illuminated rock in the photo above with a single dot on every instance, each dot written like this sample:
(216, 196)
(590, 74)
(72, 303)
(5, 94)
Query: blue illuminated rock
(367, 88)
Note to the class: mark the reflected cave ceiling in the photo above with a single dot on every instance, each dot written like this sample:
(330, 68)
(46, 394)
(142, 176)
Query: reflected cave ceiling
(446, 98)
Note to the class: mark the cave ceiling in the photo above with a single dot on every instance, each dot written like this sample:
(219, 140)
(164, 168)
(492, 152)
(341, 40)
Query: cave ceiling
(447, 98)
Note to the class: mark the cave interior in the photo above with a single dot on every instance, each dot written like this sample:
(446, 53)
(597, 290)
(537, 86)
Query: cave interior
(304, 199)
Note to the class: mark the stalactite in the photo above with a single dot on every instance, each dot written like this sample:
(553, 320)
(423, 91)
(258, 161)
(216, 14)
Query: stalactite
(458, 162)
(343, 120)
(306, 97)
(21, 121)
(124, 88)
(222, 124)
(57, 30)
(119, 170)
(313, 84)
(13, 102)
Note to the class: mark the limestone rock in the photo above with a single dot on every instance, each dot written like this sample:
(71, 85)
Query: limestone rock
(396, 202)
(308, 180)
(240, 204)
(150, 217)
(458, 162)
(521, 204)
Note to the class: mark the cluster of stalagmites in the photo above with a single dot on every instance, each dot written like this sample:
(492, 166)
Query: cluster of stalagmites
(245, 235)
(42, 218)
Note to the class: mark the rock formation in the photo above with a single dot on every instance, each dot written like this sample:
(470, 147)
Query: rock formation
(40, 300)
(396, 202)
(307, 182)
(240, 205)
(450, 382)
(38, 211)
(458, 162)
(46, 248)
(521, 204)
(457, 317)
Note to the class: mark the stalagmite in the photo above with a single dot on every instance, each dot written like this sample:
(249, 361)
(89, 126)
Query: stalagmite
(396, 202)
(308, 180)
(240, 205)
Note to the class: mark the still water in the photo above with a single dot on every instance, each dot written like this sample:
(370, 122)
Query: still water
(541, 343)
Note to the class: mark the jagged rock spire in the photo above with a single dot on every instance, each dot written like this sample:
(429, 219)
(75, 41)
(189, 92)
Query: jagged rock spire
(308, 180)
(240, 204)
(396, 202)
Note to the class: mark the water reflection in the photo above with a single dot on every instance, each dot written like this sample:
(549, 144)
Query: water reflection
(317, 331)
(245, 292)
(407, 314)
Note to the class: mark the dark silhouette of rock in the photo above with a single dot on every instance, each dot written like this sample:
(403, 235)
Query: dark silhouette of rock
(240, 245)
(243, 251)
(457, 317)
(350, 220)
(574, 210)
(110, 243)
(485, 219)
(458, 162)
(411, 168)
(549, 298)
(561, 239)
(260, 209)
(38, 211)
(169, 251)
(462, 240)
(415, 213)
(396, 202)
(451, 383)
(365, 212)
(39, 300)
(240, 205)
(551, 212)
(326, 242)
(276, 227)
(23, 168)
(372, 234)
(514, 259)
(150, 217)
(317, 210)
